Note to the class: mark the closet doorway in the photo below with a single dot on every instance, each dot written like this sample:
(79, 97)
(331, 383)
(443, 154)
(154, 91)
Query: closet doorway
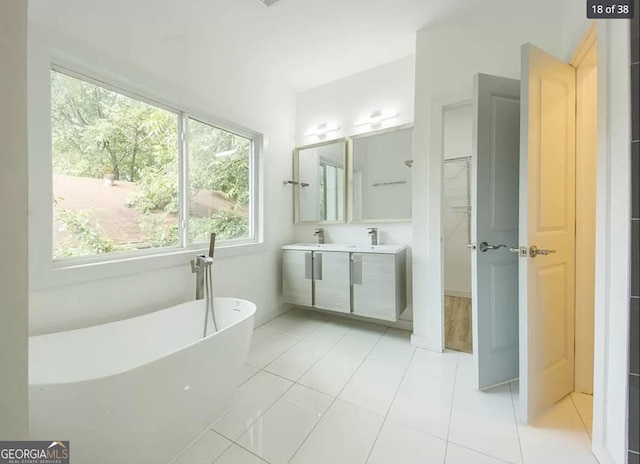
(456, 225)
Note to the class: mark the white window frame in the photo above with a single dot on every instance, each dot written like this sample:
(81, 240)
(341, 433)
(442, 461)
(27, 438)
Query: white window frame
(107, 265)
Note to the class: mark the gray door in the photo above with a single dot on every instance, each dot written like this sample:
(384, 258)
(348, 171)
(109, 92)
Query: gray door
(494, 282)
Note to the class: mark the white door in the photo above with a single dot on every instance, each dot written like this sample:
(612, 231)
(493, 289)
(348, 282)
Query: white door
(547, 223)
(494, 274)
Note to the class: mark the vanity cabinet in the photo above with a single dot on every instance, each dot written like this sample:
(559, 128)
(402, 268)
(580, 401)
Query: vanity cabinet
(332, 281)
(297, 277)
(376, 292)
(344, 279)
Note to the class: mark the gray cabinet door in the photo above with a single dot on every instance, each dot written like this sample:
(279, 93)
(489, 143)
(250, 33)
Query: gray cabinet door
(332, 281)
(297, 277)
(374, 286)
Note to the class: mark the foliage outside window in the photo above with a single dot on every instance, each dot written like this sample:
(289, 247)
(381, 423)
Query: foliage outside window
(117, 170)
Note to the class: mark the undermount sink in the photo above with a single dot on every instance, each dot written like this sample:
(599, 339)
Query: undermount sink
(354, 248)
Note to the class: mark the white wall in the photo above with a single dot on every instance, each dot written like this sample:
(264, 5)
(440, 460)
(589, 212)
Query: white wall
(13, 211)
(79, 297)
(343, 102)
(388, 87)
(447, 57)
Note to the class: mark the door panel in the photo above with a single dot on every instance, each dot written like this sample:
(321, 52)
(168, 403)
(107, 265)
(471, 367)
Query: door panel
(332, 281)
(374, 285)
(297, 277)
(494, 178)
(547, 221)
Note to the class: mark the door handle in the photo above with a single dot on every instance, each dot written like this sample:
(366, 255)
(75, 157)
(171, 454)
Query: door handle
(472, 246)
(484, 247)
(535, 251)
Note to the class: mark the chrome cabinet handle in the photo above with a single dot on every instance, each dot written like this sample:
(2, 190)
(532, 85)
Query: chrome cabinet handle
(535, 251)
(484, 247)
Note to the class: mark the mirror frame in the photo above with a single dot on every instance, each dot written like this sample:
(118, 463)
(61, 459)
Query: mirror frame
(296, 178)
(351, 157)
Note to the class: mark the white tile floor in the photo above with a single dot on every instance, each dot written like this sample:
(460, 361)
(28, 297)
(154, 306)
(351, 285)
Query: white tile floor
(326, 390)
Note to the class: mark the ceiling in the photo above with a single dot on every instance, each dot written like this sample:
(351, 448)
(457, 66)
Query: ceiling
(298, 44)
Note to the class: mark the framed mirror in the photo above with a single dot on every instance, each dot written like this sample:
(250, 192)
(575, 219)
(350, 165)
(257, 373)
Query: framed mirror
(320, 182)
(380, 175)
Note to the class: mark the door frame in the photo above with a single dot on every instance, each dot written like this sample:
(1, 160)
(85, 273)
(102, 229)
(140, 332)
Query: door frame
(613, 241)
(434, 310)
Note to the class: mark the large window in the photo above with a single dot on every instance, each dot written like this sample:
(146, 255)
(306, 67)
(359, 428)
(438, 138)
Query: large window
(130, 175)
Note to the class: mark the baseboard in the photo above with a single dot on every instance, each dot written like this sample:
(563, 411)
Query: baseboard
(285, 308)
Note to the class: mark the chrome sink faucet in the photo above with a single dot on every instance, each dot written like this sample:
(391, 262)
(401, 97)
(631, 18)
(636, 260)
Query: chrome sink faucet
(320, 233)
(373, 233)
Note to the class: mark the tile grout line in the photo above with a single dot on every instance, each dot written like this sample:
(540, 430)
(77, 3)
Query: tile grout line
(302, 338)
(481, 453)
(515, 417)
(336, 397)
(233, 441)
(319, 359)
(177, 459)
(262, 369)
(242, 447)
(373, 445)
(312, 366)
(291, 386)
(453, 396)
(584, 424)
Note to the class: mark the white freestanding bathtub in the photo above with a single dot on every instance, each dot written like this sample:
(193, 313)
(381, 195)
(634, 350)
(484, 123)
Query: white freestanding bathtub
(138, 390)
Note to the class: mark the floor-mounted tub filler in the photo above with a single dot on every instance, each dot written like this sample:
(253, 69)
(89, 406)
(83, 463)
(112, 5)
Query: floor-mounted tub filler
(138, 390)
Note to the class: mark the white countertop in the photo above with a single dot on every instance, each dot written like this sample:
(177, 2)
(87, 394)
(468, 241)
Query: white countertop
(389, 249)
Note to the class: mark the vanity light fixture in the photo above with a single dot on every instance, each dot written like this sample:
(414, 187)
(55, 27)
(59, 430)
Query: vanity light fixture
(375, 119)
(322, 130)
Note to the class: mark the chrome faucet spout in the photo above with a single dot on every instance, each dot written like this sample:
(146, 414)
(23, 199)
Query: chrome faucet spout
(373, 234)
(320, 233)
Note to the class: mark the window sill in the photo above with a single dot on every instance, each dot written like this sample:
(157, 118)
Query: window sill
(61, 274)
